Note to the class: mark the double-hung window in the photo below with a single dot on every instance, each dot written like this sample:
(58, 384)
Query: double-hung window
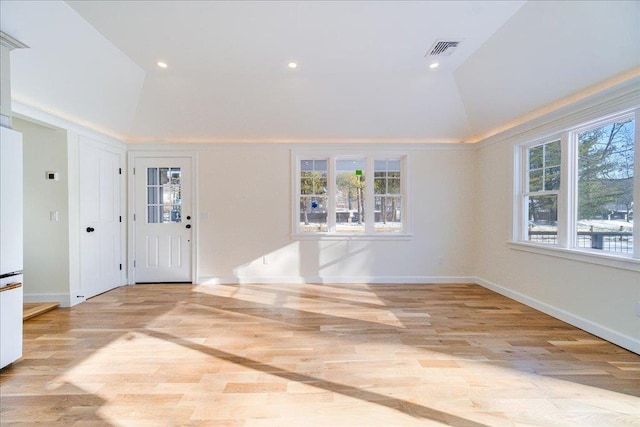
(345, 195)
(313, 195)
(387, 184)
(576, 190)
(542, 187)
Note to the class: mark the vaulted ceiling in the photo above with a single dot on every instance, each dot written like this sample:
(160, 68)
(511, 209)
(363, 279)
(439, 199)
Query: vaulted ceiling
(362, 73)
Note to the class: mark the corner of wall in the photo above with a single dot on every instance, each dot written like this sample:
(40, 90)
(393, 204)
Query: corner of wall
(74, 217)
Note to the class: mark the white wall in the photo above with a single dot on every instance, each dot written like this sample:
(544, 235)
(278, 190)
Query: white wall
(46, 242)
(600, 299)
(246, 192)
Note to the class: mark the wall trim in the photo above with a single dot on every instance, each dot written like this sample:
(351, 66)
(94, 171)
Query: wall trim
(579, 255)
(11, 43)
(426, 280)
(625, 341)
(327, 147)
(61, 298)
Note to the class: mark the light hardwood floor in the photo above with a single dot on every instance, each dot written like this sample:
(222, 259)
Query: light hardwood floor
(33, 309)
(325, 355)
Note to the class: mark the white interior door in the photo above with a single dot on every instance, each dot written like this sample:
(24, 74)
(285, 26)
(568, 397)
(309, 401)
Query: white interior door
(100, 219)
(163, 220)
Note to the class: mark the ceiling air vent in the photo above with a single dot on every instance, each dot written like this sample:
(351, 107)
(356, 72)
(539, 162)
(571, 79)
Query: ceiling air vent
(443, 48)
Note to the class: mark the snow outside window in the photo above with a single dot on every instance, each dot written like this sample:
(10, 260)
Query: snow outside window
(577, 190)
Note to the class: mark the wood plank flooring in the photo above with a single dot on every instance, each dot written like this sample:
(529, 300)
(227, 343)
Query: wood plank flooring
(33, 309)
(315, 355)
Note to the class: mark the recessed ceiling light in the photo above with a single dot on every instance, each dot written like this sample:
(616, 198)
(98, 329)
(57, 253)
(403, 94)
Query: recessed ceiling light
(292, 65)
(161, 64)
(434, 65)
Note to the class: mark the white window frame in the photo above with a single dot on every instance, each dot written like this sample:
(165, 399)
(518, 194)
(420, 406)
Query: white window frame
(331, 156)
(568, 198)
(524, 179)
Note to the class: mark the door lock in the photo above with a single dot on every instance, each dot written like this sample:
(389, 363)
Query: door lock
(90, 229)
(187, 226)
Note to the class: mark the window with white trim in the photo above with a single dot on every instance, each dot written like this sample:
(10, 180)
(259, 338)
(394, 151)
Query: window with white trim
(387, 184)
(576, 189)
(343, 195)
(313, 195)
(542, 187)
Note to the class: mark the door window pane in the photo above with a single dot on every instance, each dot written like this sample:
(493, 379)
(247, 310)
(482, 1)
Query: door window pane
(164, 195)
(605, 187)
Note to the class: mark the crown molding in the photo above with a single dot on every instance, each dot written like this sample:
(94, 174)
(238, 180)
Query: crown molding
(37, 115)
(7, 41)
(615, 98)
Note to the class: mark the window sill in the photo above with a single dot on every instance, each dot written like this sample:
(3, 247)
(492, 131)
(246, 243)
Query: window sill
(351, 236)
(591, 257)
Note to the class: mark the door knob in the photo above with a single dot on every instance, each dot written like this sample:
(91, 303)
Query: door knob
(90, 229)
(187, 226)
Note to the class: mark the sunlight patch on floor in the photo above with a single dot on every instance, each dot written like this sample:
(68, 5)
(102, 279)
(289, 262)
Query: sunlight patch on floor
(370, 388)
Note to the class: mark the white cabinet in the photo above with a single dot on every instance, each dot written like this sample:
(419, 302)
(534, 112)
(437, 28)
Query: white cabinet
(11, 200)
(10, 246)
(10, 324)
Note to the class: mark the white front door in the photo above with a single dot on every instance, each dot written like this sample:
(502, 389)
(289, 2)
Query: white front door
(163, 220)
(100, 219)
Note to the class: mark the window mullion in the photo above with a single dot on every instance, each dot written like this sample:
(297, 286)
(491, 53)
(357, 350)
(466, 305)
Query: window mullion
(522, 213)
(405, 190)
(295, 179)
(636, 184)
(566, 198)
(369, 205)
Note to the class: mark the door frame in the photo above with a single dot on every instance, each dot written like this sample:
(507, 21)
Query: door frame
(132, 155)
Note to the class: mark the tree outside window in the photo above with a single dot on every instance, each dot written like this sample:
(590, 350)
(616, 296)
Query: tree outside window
(605, 186)
(594, 209)
(350, 195)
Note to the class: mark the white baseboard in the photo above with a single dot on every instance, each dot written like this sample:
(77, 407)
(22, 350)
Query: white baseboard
(336, 279)
(62, 299)
(625, 341)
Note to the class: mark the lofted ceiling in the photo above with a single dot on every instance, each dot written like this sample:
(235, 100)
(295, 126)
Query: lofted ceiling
(362, 72)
